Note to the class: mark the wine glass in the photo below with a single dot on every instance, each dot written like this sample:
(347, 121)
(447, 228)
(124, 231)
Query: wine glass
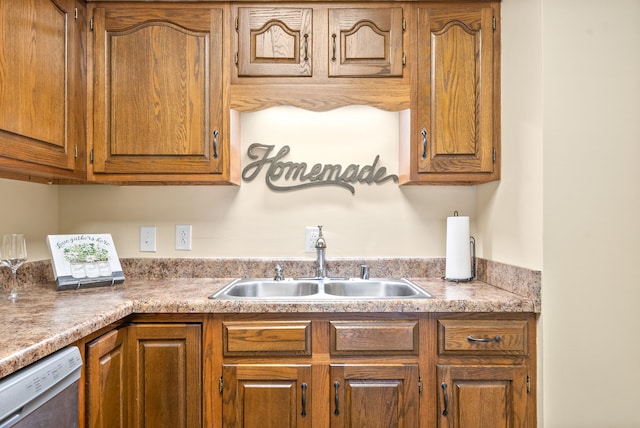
(13, 253)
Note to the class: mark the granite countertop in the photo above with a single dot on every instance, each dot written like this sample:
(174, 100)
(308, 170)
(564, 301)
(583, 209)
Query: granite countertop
(44, 320)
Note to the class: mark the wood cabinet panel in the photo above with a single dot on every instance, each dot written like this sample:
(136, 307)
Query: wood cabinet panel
(267, 338)
(457, 62)
(42, 87)
(488, 337)
(374, 337)
(365, 42)
(170, 118)
(267, 395)
(275, 41)
(384, 395)
(455, 126)
(166, 371)
(482, 396)
(106, 381)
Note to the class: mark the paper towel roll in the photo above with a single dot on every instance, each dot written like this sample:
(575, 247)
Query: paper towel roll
(458, 263)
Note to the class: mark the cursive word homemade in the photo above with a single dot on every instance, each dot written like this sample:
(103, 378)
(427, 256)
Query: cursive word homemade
(317, 175)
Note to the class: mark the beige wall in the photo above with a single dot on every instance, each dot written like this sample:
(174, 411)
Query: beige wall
(591, 73)
(31, 209)
(254, 221)
(571, 66)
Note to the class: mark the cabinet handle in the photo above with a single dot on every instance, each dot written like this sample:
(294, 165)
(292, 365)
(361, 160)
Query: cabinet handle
(304, 400)
(306, 47)
(215, 143)
(484, 339)
(424, 143)
(336, 385)
(333, 38)
(445, 411)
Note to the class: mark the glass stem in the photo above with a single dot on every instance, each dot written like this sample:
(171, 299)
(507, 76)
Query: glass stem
(13, 295)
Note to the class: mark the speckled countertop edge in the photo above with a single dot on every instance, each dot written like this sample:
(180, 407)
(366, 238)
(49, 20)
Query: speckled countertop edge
(44, 320)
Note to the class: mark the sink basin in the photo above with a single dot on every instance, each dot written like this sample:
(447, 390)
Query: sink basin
(320, 289)
(266, 288)
(382, 288)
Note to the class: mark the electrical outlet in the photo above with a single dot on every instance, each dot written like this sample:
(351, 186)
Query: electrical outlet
(310, 237)
(148, 239)
(183, 237)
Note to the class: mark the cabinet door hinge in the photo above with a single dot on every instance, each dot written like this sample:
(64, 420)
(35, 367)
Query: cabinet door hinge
(91, 156)
(528, 384)
(493, 23)
(91, 24)
(75, 151)
(493, 155)
(220, 383)
(75, 13)
(419, 384)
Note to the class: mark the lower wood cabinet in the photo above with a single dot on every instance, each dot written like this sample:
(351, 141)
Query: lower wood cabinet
(486, 371)
(286, 371)
(266, 395)
(145, 375)
(482, 396)
(382, 395)
(319, 370)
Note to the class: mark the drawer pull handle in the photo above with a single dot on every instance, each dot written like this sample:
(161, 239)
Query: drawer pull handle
(333, 44)
(336, 385)
(215, 143)
(304, 400)
(484, 339)
(445, 411)
(306, 47)
(424, 143)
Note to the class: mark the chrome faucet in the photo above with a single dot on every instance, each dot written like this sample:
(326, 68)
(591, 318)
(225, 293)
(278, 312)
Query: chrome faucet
(321, 246)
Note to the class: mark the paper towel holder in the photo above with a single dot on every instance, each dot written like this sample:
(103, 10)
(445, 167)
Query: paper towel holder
(472, 243)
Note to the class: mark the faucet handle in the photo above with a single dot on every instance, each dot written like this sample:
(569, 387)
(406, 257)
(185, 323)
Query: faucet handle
(320, 242)
(279, 275)
(364, 272)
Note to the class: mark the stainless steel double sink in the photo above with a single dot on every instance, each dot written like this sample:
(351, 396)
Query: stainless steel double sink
(320, 289)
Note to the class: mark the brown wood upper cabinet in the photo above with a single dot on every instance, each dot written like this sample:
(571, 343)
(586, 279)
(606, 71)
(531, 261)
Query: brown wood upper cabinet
(274, 41)
(41, 89)
(455, 126)
(319, 42)
(159, 108)
(366, 42)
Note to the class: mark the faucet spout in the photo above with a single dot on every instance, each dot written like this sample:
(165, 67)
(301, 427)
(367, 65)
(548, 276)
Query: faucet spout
(321, 246)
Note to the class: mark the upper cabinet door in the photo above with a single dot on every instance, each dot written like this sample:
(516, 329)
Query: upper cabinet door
(274, 42)
(158, 94)
(41, 91)
(456, 90)
(365, 42)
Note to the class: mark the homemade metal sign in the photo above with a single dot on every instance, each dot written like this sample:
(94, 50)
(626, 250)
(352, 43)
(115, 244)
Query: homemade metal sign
(305, 176)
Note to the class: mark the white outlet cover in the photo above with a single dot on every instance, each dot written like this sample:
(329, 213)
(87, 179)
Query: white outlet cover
(310, 237)
(183, 237)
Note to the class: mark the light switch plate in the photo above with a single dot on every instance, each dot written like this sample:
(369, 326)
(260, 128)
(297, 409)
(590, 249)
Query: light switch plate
(148, 239)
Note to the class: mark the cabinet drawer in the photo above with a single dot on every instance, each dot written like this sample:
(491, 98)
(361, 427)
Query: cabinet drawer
(492, 337)
(267, 338)
(374, 337)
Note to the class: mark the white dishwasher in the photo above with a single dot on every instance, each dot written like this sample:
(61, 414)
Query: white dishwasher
(43, 394)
